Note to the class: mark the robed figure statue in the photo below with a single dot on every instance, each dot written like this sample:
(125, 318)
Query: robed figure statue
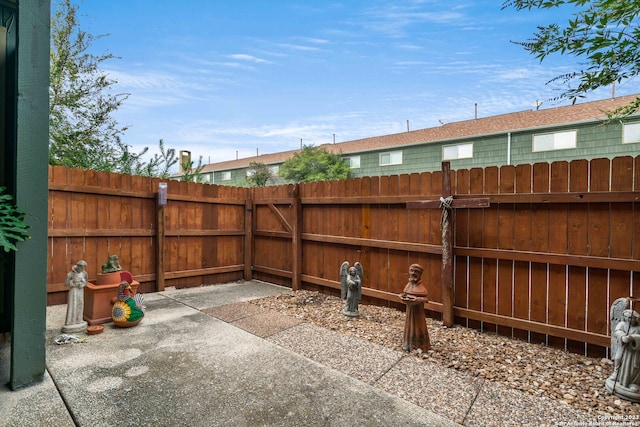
(351, 287)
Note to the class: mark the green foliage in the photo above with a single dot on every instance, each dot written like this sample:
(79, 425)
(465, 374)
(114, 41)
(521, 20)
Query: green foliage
(604, 36)
(259, 175)
(82, 131)
(190, 173)
(158, 166)
(12, 226)
(314, 164)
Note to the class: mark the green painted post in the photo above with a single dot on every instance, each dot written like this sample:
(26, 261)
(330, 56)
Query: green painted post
(31, 183)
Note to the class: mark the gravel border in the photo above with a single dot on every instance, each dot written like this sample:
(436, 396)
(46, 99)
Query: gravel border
(532, 368)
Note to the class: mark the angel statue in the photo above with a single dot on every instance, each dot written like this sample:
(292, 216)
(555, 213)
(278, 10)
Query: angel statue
(351, 286)
(625, 351)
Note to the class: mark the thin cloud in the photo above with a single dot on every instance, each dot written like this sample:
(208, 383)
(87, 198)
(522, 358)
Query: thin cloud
(298, 47)
(394, 20)
(248, 58)
(154, 89)
(313, 40)
(410, 47)
(236, 65)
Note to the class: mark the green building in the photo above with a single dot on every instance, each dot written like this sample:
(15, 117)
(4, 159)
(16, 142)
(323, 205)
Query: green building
(579, 131)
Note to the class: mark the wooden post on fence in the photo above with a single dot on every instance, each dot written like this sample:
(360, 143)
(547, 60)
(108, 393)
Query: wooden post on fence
(160, 235)
(446, 224)
(447, 204)
(296, 241)
(248, 237)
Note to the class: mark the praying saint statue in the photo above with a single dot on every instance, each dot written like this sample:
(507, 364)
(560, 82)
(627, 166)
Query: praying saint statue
(76, 281)
(625, 351)
(351, 287)
(414, 295)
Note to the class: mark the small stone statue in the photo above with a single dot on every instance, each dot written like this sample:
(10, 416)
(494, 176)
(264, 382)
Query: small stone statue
(416, 335)
(112, 265)
(625, 351)
(351, 287)
(76, 281)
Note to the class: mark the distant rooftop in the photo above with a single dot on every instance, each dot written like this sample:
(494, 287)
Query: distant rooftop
(510, 122)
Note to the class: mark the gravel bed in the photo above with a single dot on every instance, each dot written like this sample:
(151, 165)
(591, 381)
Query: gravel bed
(532, 368)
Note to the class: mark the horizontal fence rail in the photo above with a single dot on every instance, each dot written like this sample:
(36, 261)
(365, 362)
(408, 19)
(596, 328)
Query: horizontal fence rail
(542, 259)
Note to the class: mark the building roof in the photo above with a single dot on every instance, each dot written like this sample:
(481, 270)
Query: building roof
(510, 122)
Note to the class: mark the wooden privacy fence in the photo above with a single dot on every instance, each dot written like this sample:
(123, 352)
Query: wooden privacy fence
(555, 246)
(95, 214)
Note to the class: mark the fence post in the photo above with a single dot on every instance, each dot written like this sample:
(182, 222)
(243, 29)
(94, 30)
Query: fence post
(160, 236)
(296, 240)
(248, 237)
(447, 253)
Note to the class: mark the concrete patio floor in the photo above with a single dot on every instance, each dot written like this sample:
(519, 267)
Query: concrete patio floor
(206, 357)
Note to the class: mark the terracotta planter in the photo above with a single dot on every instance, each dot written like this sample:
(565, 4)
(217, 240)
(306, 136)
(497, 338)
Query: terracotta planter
(108, 278)
(100, 296)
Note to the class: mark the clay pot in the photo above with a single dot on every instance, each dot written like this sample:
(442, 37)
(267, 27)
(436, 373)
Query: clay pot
(95, 329)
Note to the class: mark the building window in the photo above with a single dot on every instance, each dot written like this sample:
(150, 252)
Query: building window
(554, 141)
(457, 151)
(353, 162)
(274, 169)
(250, 173)
(391, 158)
(226, 176)
(205, 178)
(631, 133)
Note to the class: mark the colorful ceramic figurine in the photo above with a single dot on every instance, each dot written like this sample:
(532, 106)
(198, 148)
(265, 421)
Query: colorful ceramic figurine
(128, 310)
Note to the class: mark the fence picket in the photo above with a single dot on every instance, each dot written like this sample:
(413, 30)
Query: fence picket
(505, 230)
(558, 220)
(490, 240)
(522, 241)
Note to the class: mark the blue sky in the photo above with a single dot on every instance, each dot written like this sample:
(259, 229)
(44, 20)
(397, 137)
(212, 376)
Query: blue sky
(224, 78)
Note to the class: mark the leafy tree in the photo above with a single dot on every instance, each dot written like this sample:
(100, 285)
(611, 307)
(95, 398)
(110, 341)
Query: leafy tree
(259, 175)
(191, 174)
(603, 35)
(82, 131)
(314, 164)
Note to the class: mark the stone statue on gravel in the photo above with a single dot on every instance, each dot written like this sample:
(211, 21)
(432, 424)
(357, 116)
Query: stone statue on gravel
(351, 287)
(414, 295)
(625, 351)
